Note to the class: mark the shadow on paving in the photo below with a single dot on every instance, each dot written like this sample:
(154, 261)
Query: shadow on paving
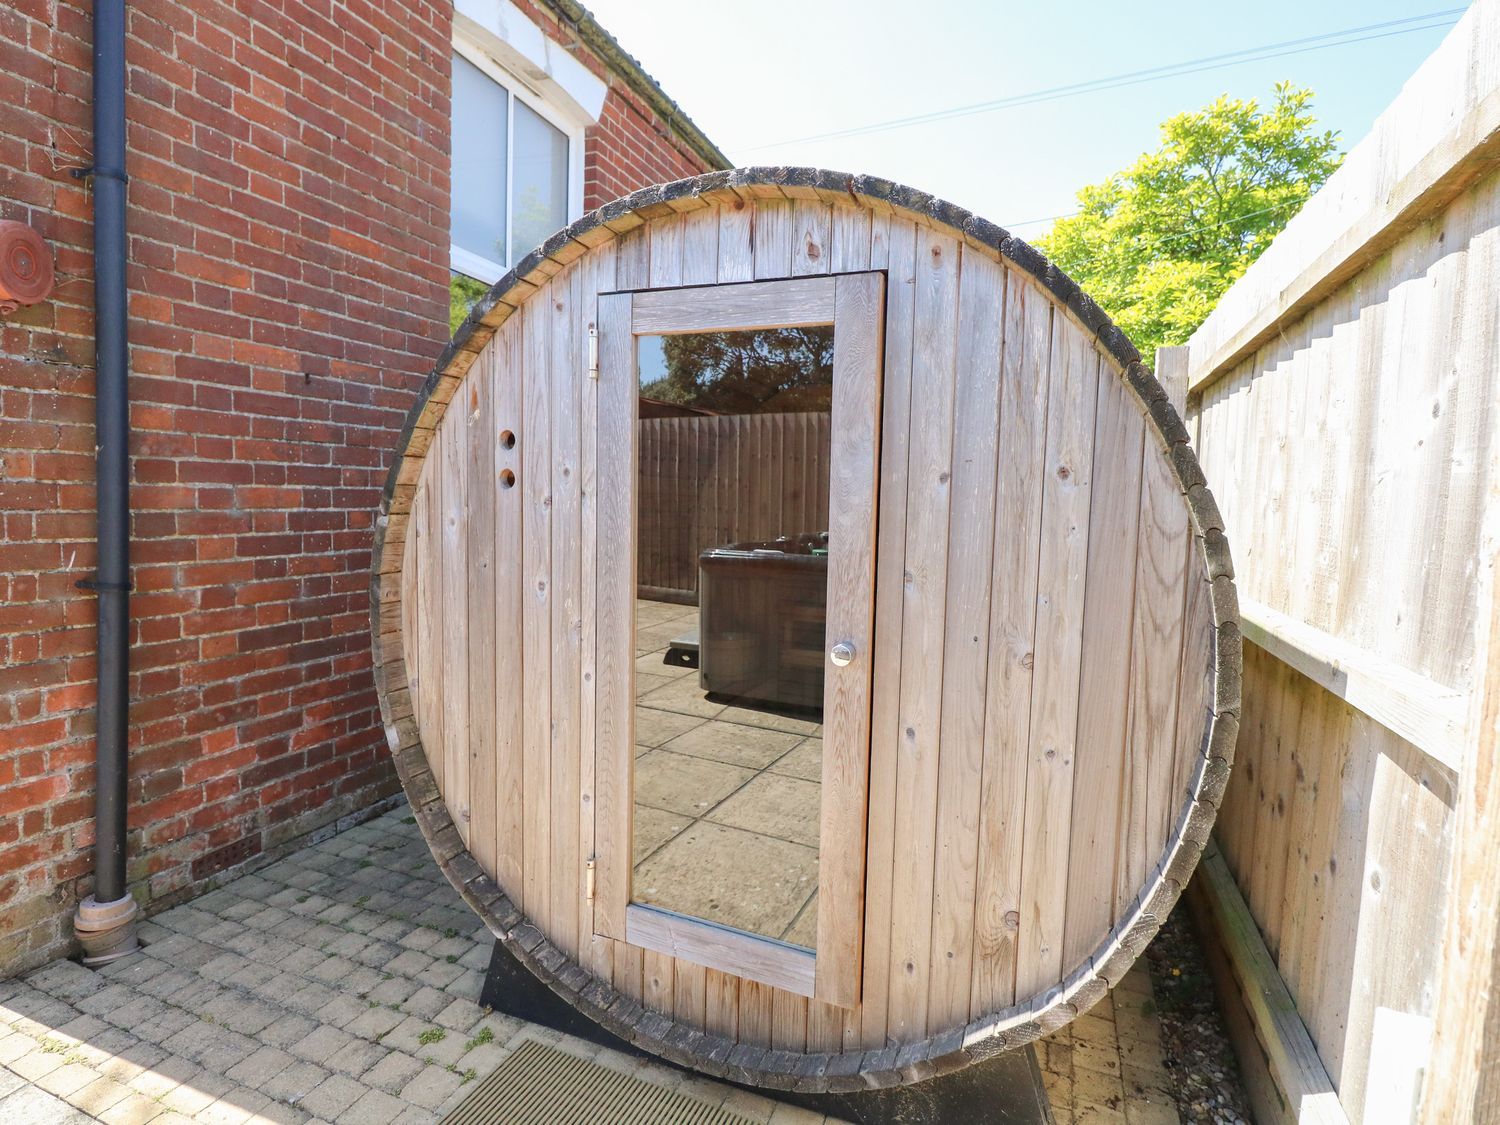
(338, 985)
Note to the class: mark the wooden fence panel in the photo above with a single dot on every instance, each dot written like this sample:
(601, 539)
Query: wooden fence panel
(709, 481)
(1344, 401)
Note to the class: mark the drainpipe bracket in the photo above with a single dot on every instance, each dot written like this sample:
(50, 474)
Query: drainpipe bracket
(96, 585)
(106, 930)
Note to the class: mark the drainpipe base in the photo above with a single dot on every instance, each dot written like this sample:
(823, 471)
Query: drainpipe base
(106, 930)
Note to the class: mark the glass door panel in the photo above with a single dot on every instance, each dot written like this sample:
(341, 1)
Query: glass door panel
(732, 571)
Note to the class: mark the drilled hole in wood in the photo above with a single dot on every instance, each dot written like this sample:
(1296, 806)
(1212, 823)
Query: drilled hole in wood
(507, 439)
(507, 478)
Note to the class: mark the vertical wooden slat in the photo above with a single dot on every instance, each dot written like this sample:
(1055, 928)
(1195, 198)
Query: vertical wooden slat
(411, 654)
(1012, 625)
(773, 238)
(1073, 377)
(929, 488)
(788, 1021)
(615, 612)
(1164, 540)
(536, 602)
(971, 532)
(853, 496)
(700, 247)
(599, 275)
(565, 376)
(427, 691)
(736, 241)
(656, 981)
(479, 393)
(850, 237)
(811, 230)
(666, 251)
(455, 636)
(508, 633)
(755, 1013)
(890, 549)
(722, 1004)
(1104, 679)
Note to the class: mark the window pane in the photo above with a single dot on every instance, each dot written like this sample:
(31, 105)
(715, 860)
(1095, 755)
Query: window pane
(732, 565)
(478, 162)
(540, 183)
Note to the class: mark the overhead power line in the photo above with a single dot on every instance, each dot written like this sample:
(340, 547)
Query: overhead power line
(1427, 22)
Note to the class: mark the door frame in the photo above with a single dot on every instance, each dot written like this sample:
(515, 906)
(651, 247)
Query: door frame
(854, 304)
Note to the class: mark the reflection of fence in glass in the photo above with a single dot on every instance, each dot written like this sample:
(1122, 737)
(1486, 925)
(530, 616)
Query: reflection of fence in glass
(708, 481)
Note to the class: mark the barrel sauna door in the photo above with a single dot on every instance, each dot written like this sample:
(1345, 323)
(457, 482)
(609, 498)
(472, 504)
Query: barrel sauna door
(738, 462)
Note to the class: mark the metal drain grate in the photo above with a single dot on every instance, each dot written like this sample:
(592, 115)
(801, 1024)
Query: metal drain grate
(540, 1085)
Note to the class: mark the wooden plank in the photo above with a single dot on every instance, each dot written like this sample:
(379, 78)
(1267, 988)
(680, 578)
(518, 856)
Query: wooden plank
(1150, 803)
(1012, 625)
(614, 739)
(929, 489)
(755, 1013)
(567, 371)
(657, 986)
(509, 631)
(666, 250)
(455, 636)
(748, 956)
(721, 1014)
(535, 481)
(1462, 1085)
(788, 1021)
(891, 550)
(597, 953)
(1299, 1075)
(853, 497)
(437, 756)
(966, 639)
(850, 239)
(1094, 854)
(1424, 713)
(700, 247)
(811, 237)
(479, 390)
(736, 241)
(733, 308)
(426, 688)
(407, 588)
(773, 238)
(1072, 394)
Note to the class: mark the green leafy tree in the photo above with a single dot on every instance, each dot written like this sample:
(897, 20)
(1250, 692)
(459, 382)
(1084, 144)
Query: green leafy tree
(1157, 244)
(773, 370)
(463, 295)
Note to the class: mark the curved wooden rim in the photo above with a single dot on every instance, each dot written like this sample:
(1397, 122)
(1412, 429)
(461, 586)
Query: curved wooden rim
(809, 1072)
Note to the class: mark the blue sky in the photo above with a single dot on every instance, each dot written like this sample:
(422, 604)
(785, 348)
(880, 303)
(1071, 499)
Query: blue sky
(756, 75)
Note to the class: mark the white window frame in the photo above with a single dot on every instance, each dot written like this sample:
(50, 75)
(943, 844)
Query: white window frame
(477, 266)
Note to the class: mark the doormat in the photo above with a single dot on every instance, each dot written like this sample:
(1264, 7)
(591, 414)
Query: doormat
(540, 1085)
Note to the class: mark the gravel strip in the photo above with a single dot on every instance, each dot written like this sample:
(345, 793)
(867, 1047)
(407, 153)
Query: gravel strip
(1205, 1075)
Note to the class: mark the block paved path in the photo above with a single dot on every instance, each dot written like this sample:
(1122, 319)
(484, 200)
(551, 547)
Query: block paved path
(340, 985)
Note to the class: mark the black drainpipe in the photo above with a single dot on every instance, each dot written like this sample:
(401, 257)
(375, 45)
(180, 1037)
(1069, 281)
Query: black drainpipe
(105, 922)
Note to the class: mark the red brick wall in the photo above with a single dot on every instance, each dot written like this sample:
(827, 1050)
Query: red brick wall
(630, 148)
(288, 275)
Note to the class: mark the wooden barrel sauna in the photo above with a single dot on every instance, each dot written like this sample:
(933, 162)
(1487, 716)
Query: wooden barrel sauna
(694, 438)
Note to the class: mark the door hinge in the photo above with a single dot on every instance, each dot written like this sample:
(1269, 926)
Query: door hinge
(589, 878)
(593, 352)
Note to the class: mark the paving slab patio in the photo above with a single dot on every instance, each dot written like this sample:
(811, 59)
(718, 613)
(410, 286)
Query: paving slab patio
(341, 984)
